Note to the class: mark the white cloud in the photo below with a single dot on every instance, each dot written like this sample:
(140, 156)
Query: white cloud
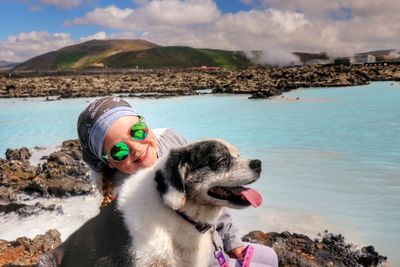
(276, 26)
(275, 56)
(152, 14)
(96, 36)
(335, 26)
(29, 44)
(265, 23)
(175, 12)
(111, 16)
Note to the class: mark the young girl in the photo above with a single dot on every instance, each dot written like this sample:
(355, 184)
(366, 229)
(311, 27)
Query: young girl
(116, 142)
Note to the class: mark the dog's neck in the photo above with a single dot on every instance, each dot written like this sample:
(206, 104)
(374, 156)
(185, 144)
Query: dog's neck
(202, 227)
(199, 215)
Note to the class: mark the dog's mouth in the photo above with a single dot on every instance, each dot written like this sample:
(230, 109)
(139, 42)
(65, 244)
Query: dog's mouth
(238, 195)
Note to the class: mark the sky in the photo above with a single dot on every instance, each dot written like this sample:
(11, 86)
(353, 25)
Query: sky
(276, 27)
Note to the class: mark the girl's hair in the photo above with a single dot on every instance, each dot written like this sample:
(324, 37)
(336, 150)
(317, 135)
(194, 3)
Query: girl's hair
(107, 176)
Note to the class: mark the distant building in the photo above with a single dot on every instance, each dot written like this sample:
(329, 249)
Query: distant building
(381, 55)
(364, 58)
(344, 60)
(312, 58)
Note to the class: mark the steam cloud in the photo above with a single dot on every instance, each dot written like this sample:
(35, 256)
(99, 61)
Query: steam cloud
(276, 57)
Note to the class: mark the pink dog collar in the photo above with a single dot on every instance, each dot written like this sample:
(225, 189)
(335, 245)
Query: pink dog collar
(249, 250)
(221, 259)
(248, 256)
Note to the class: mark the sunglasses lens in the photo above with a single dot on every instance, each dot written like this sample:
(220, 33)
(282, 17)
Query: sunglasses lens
(139, 131)
(120, 151)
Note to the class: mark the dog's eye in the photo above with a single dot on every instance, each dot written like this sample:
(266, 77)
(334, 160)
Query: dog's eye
(217, 163)
(222, 160)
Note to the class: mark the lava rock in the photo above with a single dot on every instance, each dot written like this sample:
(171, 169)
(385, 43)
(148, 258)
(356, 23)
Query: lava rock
(25, 251)
(24, 210)
(62, 174)
(18, 154)
(84, 83)
(331, 250)
(261, 94)
(16, 174)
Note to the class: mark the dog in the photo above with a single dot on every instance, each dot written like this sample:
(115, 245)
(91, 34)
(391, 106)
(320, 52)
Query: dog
(162, 214)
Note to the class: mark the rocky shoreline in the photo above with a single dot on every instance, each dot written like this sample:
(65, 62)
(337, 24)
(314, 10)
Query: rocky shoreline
(259, 82)
(292, 249)
(63, 174)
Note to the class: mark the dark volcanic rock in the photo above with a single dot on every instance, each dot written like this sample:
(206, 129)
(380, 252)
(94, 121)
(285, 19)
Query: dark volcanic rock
(16, 174)
(331, 250)
(262, 94)
(12, 207)
(292, 249)
(8, 195)
(25, 251)
(25, 210)
(63, 173)
(276, 80)
(5, 194)
(10, 87)
(18, 154)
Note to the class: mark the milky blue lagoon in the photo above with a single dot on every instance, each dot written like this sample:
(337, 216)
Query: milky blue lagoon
(331, 159)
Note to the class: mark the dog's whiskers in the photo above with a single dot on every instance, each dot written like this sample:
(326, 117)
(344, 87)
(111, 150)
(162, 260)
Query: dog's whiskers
(196, 192)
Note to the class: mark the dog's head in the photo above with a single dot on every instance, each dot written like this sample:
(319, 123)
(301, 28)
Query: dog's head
(208, 173)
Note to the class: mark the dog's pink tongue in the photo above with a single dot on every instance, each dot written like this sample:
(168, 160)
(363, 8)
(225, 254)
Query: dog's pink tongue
(251, 195)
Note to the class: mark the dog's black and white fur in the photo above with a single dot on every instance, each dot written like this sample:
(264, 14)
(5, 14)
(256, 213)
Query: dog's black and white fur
(143, 227)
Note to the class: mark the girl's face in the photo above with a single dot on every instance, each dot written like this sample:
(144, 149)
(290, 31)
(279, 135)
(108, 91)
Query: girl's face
(142, 153)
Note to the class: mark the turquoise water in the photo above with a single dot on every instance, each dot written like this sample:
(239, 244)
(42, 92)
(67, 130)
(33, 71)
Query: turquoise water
(331, 159)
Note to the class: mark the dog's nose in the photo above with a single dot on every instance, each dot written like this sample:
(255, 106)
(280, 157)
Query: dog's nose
(255, 164)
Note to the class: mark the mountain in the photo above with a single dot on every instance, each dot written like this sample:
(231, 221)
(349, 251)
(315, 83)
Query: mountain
(177, 57)
(5, 65)
(84, 55)
(131, 54)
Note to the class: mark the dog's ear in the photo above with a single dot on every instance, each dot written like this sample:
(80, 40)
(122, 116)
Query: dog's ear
(171, 180)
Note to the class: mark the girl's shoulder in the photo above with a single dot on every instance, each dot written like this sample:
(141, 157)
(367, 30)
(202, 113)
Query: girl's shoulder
(168, 139)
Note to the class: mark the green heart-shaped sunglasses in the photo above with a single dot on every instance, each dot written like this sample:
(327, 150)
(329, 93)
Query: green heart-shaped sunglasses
(120, 151)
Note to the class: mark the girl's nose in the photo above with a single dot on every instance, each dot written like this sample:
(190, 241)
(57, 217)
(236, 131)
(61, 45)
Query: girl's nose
(136, 148)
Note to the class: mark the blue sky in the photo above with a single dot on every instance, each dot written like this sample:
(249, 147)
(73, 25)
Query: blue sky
(278, 27)
(20, 18)
(51, 18)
